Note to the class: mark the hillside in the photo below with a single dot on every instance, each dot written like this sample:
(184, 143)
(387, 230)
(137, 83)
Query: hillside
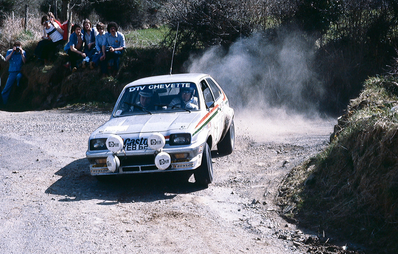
(53, 85)
(350, 190)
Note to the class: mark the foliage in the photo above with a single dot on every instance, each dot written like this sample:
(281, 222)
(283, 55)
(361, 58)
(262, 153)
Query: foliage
(345, 64)
(111, 11)
(309, 15)
(130, 13)
(359, 44)
(48, 5)
(16, 32)
(352, 189)
(6, 7)
(144, 38)
(203, 23)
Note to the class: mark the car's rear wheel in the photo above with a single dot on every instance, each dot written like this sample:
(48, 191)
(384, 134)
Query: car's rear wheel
(204, 174)
(227, 144)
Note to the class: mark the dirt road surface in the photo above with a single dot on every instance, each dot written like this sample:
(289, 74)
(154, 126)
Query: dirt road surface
(49, 203)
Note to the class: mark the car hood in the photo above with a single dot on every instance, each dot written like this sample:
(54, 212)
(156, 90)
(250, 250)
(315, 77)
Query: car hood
(150, 123)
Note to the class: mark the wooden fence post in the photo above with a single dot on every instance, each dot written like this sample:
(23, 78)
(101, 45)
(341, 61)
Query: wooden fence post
(55, 9)
(69, 20)
(65, 10)
(26, 17)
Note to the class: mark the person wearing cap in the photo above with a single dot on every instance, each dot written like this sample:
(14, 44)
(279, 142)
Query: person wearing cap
(146, 101)
(186, 99)
(17, 57)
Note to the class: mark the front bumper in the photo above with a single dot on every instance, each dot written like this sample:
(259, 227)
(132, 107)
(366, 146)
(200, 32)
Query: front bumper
(144, 161)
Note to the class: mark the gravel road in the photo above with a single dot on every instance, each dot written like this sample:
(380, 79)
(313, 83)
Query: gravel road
(49, 203)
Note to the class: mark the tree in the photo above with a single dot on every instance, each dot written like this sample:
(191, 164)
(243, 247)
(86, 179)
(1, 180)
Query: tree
(6, 6)
(204, 23)
(65, 10)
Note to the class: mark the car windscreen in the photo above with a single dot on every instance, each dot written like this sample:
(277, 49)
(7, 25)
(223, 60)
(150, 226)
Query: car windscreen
(158, 98)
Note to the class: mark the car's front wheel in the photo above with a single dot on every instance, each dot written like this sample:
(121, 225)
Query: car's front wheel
(204, 174)
(102, 179)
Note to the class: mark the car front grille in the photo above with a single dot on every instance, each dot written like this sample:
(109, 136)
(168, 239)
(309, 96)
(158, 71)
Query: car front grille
(137, 163)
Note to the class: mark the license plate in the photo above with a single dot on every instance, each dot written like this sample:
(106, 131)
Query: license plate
(96, 171)
(131, 144)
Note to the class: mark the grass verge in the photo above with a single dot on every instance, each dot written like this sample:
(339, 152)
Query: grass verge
(351, 189)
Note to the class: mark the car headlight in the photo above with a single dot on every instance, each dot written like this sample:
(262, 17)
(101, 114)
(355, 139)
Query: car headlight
(180, 139)
(98, 144)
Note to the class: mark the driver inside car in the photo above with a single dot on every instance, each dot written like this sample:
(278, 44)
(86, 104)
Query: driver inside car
(145, 102)
(185, 100)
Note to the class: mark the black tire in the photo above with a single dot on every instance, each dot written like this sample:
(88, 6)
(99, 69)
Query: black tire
(102, 179)
(204, 174)
(180, 177)
(227, 144)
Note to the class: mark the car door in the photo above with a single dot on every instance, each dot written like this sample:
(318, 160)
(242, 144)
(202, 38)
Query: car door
(213, 101)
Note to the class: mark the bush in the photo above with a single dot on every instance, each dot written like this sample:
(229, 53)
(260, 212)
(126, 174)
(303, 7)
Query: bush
(6, 6)
(351, 189)
(203, 23)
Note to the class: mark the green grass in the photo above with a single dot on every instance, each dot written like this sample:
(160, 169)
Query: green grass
(146, 38)
(352, 188)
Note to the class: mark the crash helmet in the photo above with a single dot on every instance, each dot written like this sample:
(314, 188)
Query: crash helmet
(190, 90)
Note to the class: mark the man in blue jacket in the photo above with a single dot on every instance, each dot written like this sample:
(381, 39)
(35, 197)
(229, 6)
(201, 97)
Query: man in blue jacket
(115, 47)
(16, 56)
(74, 48)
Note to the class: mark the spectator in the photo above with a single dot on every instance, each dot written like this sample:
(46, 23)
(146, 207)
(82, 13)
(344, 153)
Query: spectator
(16, 56)
(115, 47)
(100, 47)
(74, 48)
(89, 34)
(2, 61)
(52, 39)
(64, 26)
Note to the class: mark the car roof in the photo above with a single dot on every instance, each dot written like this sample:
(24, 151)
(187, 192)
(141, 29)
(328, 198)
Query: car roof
(186, 77)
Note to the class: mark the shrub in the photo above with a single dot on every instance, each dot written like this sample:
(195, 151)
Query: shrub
(203, 23)
(6, 7)
(353, 188)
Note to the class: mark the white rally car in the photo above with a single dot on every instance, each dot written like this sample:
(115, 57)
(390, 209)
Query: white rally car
(162, 124)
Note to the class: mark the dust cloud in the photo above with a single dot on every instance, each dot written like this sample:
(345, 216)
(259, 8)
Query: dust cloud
(270, 82)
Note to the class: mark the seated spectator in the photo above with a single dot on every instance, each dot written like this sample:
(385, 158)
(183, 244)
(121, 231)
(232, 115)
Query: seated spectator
(100, 47)
(17, 57)
(64, 26)
(52, 39)
(74, 48)
(115, 47)
(89, 34)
